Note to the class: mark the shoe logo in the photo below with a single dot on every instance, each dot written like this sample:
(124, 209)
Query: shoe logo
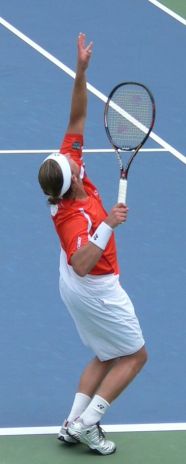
(95, 237)
(100, 406)
(87, 432)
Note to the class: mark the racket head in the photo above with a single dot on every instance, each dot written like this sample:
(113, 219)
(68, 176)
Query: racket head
(129, 115)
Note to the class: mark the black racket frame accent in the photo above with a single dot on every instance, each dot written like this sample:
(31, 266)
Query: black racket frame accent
(124, 171)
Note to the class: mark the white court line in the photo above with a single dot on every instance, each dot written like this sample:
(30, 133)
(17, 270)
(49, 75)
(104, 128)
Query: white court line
(92, 89)
(86, 150)
(168, 11)
(162, 427)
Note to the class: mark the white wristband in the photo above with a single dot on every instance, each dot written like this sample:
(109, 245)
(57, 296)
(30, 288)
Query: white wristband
(101, 235)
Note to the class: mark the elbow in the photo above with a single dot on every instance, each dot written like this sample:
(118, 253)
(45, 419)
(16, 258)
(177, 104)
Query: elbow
(79, 271)
(81, 262)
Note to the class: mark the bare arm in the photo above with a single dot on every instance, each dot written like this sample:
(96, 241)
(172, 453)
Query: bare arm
(79, 96)
(84, 259)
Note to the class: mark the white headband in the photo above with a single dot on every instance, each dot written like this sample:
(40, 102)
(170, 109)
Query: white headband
(62, 161)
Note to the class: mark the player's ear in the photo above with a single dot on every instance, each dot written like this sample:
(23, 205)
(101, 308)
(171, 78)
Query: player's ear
(74, 178)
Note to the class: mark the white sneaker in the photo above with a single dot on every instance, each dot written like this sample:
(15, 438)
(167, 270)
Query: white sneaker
(92, 436)
(64, 436)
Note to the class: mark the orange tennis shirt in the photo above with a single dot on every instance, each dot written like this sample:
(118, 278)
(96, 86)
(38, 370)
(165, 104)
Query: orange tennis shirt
(76, 220)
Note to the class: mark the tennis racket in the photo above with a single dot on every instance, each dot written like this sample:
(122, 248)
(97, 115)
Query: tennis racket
(129, 118)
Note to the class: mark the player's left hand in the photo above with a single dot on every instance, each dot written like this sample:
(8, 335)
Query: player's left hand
(84, 52)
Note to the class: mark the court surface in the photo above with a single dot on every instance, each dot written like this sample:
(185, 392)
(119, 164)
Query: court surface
(41, 356)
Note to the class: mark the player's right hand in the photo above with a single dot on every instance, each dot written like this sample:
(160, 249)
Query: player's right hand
(117, 215)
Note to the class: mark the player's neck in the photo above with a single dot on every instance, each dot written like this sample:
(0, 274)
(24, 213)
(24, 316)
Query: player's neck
(81, 196)
(79, 193)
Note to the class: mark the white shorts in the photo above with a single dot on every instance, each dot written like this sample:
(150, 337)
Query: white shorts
(106, 322)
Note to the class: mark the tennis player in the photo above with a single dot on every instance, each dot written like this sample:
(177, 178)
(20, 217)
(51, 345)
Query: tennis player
(89, 277)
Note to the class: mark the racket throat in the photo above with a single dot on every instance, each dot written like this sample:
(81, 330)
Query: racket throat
(123, 174)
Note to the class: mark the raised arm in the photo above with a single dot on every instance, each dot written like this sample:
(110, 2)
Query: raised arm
(79, 96)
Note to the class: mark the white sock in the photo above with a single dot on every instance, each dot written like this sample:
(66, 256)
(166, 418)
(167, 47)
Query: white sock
(94, 411)
(80, 403)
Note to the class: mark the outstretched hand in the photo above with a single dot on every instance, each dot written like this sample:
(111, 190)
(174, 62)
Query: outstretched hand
(84, 52)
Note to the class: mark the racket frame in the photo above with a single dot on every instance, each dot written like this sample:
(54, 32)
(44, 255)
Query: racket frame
(124, 170)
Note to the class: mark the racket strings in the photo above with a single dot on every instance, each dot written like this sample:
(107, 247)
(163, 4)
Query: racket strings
(136, 102)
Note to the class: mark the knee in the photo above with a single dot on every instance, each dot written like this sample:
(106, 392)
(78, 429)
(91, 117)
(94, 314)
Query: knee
(142, 357)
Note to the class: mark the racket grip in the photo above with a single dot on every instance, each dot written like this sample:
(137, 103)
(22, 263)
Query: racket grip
(122, 194)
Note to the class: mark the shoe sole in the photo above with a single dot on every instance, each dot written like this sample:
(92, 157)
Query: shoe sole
(95, 451)
(67, 440)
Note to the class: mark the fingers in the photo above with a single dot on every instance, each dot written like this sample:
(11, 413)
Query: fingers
(81, 39)
(121, 205)
(121, 212)
(117, 215)
(81, 43)
(89, 48)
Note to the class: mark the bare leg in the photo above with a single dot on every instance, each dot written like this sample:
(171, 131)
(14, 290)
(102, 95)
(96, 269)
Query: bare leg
(109, 378)
(121, 374)
(93, 375)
